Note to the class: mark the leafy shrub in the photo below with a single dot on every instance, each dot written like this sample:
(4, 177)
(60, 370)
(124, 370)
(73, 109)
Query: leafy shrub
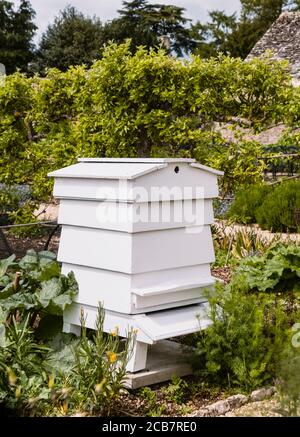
(142, 104)
(23, 376)
(243, 345)
(97, 378)
(276, 208)
(33, 295)
(153, 407)
(67, 374)
(247, 202)
(42, 370)
(176, 390)
(288, 382)
(278, 269)
(35, 285)
(280, 211)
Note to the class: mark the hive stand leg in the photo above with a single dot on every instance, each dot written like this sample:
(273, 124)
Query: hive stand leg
(138, 358)
(69, 328)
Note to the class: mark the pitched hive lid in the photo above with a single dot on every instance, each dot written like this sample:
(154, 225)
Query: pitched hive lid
(121, 168)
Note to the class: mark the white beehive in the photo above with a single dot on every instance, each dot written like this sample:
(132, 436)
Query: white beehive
(136, 233)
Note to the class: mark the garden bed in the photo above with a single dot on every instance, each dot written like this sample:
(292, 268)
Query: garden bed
(230, 229)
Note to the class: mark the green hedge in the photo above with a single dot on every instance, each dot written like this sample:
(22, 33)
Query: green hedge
(276, 207)
(146, 104)
(280, 210)
(246, 203)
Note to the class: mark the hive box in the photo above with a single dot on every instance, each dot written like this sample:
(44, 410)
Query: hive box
(136, 233)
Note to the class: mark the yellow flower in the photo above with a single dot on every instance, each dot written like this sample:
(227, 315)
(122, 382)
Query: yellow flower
(18, 393)
(135, 331)
(112, 356)
(115, 332)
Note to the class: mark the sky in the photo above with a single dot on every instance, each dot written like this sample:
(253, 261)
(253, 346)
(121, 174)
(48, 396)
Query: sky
(46, 10)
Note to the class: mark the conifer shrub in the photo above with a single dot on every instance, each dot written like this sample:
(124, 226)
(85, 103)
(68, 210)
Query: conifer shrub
(244, 344)
(246, 203)
(252, 319)
(273, 207)
(280, 210)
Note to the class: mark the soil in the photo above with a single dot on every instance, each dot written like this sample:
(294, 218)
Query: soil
(194, 396)
(20, 245)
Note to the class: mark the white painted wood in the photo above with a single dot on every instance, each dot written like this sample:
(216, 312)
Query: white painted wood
(169, 277)
(138, 283)
(148, 304)
(114, 291)
(138, 358)
(123, 322)
(188, 183)
(135, 217)
(175, 322)
(135, 253)
(123, 181)
(175, 288)
(93, 189)
(156, 290)
(69, 328)
(137, 160)
(139, 264)
(107, 170)
(206, 168)
(150, 327)
(165, 359)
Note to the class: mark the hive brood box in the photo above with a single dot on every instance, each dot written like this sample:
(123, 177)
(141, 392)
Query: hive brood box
(136, 233)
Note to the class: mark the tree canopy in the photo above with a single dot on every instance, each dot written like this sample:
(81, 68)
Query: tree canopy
(17, 29)
(146, 24)
(137, 105)
(236, 35)
(72, 39)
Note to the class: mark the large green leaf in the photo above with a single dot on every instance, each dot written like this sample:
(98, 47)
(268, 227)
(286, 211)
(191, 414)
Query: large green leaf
(62, 359)
(50, 289)
(6, 263)
(7, 291)
(30, 260)
(20, 301)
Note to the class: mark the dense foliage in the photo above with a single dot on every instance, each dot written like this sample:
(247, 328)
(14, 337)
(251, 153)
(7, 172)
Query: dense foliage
(146, 104)
(280, 210)
(17, 29)
(236, 34)
(72, 39)
(278, 269)
(246, 344)
(35, 286)
(41, 369)
(147, 24)
(247, 201)
(274, 207)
